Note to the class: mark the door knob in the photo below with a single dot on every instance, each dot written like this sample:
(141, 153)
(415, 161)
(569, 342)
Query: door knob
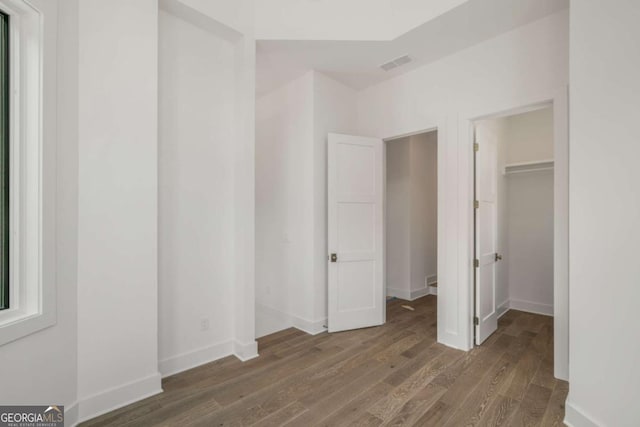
(334, 257)
(498, 257)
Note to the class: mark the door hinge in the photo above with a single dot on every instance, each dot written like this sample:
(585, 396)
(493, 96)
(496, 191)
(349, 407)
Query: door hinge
(476, 204)
(476, 146)
(476, 321)
(476, 263)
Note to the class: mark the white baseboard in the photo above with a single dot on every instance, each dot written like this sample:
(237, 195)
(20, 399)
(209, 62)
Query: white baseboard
(71, 414)
(399, 293)
(531, 307)
(192, 359)
(419, 293)
(204, 355)
(117, 397)
(406, 294)
(282, 320)
(503, 308)
(271, 320)
(312, 327)
(245, 351)
(433, 290)
(432, 279)
(574, 416)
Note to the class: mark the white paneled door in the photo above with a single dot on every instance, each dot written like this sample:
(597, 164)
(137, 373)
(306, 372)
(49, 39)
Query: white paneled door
(486, 228)
(355, 228)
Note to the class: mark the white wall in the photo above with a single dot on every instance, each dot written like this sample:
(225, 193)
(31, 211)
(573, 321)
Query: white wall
(292, 123)
(605, 207)
(48, 358)
(236, 16)
(117, 221)
(424, 211)
(284, 205)
(118, 204)
(530, 136)
(334, 111)
(530, 212)
(524, 278)
(100, 124)
(398, 218)
(233, 21)
(524, 66)
(195, 210)
(411, 215)
(529, 253)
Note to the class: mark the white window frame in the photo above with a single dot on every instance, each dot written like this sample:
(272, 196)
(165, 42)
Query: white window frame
(32, 301)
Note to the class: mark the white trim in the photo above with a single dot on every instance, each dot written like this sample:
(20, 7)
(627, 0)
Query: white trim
(399, 293)
(409, 295)
(408, 134)
(33, 294)
(185, 361)
(117, 397)
(454, 249)
(245, 351)
(574, 416)
(419, 293)
(282, 319)
(71, 414)
(433, 290)
(526, 306)
(432, 279)
(201, 356)
(531, 163)
(503, 308)
(559, 100)
(561, 234)
(312, 327)
(528, 167)
(531, 307)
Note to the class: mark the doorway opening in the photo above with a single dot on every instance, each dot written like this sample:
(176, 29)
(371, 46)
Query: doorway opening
(513, 222)
(411, 222)
(382, 229)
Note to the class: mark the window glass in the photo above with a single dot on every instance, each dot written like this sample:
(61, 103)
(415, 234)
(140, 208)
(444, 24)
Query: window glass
(4, 161)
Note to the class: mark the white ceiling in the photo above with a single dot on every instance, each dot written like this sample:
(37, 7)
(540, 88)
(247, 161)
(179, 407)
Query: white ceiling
(356, 63)
(344, 19)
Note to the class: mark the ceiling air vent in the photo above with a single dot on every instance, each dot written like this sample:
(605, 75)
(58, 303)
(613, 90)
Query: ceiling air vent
(396, 63)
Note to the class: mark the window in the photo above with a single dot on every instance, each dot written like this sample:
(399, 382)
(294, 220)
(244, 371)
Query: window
(4, 161)
(27, 172)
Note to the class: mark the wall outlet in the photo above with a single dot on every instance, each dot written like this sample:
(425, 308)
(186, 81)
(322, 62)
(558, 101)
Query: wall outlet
(204, 324)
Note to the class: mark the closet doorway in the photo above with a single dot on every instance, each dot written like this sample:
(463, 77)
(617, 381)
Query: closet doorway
(513, 217)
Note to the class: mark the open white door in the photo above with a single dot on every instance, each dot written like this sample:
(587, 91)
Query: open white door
(355, 228)
(486, 228)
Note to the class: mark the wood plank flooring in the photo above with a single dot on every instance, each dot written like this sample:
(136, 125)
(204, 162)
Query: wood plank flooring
(392, 375)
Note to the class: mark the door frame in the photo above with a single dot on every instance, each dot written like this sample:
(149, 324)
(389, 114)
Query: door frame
(559, 102)
(455, 213)
(389, 140)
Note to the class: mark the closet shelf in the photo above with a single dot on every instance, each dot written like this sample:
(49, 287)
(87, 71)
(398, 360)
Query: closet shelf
(541, 165)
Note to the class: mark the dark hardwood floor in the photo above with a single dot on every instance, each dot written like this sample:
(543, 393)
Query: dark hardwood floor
(394, 374)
